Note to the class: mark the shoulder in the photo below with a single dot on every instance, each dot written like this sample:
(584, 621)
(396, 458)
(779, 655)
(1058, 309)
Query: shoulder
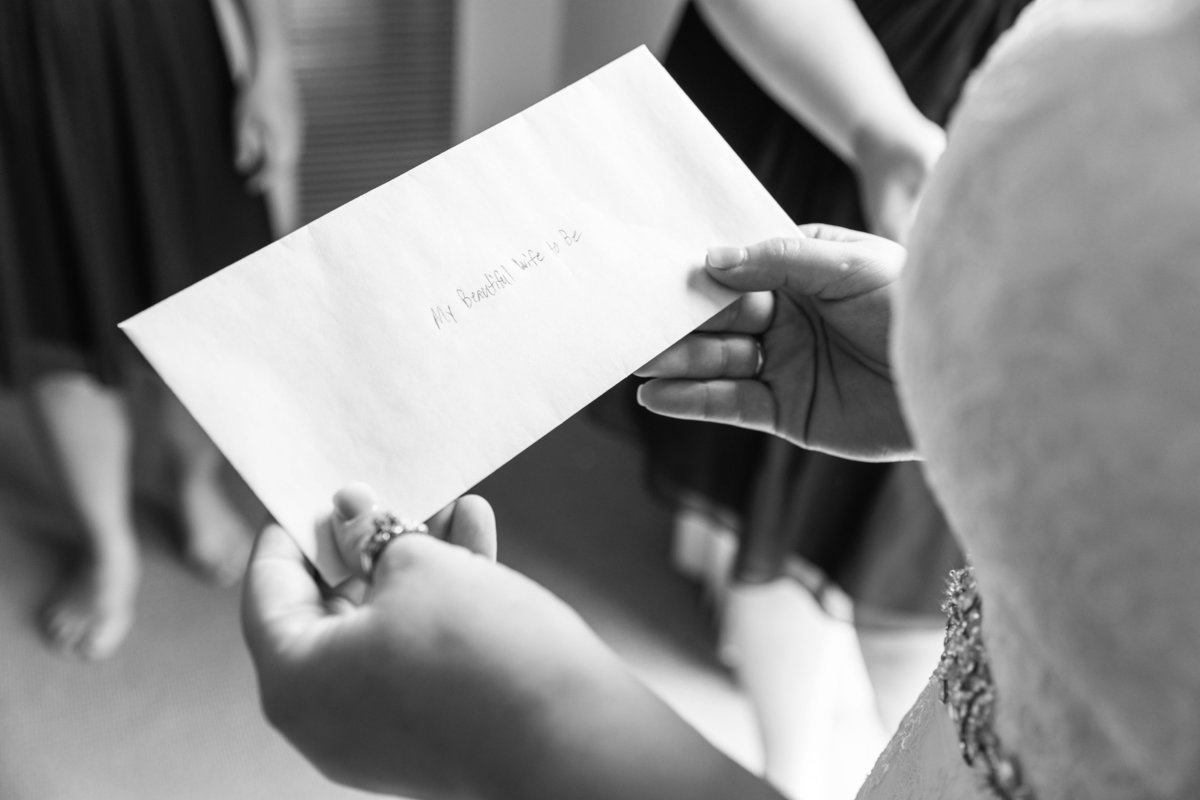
(1045, 338)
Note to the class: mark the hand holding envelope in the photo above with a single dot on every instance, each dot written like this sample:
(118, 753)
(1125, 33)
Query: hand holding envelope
(457, 677)
(452, 669)
(804, 355)
(424, 334)
(454, 676)
(443, 643)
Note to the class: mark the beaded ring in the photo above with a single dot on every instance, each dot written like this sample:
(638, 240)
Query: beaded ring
(387, 528)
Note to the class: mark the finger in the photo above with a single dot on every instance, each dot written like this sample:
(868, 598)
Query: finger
(347, 595)
(265, 174)
(746, 404)
(704, 356)
(245, 151)
(834, 233)
(353, 519)
(750, 313)
(280, 598)
(258, 181)
(826, 269)
(249, 157)
(468, 522)
(467, 526)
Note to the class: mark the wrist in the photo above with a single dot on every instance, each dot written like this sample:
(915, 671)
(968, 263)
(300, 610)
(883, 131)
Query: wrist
(906, 138)
(566, 716)
(272, 63)
(607, 736)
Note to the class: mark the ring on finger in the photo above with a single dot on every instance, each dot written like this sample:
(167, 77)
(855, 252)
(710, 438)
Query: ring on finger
(387, 528)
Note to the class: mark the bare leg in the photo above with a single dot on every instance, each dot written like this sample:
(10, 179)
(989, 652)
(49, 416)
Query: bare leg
(784, 647)
(703, 548)
(900, 658)
(690, 543)
(87, 430)
(216, 536)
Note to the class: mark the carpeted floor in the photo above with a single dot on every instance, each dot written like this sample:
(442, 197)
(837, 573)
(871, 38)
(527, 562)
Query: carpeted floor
(174, 716)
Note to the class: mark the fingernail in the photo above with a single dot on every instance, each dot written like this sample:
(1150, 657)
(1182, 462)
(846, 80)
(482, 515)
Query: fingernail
(726, 257)
(640, 401)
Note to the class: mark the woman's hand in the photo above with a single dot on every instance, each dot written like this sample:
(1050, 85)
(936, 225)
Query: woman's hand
(267, 126)
(456, 677)
(437, 685)
(817, 316)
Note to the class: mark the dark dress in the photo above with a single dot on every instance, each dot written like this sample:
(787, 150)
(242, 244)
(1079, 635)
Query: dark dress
(117, 184)
(873, 529)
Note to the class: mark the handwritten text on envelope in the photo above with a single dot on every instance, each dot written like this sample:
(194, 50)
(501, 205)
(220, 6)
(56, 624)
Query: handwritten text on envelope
(424, 334)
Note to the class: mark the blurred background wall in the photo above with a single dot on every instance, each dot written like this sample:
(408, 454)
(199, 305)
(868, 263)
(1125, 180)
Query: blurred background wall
(377, 79)
(389, 84)
(515, 52)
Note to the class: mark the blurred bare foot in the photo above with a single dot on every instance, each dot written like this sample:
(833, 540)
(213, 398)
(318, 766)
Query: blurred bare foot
(93, 612)
(216, 535)
(217, 538)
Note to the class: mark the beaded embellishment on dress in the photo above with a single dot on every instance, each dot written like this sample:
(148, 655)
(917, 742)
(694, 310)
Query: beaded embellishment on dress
(969, 694)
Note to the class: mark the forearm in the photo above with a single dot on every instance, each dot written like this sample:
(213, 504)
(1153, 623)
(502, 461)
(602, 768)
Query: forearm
(820, 61)
(267, 21)
(608, 737)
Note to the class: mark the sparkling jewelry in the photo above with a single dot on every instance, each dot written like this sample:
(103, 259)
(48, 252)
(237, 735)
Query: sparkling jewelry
(969, 693)
(387, 528)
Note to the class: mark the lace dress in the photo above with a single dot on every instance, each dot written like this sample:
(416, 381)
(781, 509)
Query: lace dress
(1045, 339)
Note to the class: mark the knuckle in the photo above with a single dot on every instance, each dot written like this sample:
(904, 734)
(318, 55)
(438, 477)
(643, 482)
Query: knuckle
(692, 355)
(709, 402)
(730, 406)
(720, 403)
(723, 356)
(778, 248)
(793, 248)
(751, 353)
(779, 257)
(737, 412)
(818, 230)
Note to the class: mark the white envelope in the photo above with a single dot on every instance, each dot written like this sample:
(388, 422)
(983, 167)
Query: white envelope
(422, 335)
